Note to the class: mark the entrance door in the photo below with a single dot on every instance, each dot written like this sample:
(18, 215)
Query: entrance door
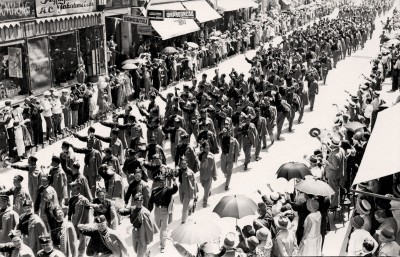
(39, 64)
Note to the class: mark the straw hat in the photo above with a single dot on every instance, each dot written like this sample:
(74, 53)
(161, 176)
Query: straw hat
(312, 205)
(231, 241)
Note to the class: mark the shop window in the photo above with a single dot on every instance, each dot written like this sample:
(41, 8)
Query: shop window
(13, 71)
(64, 61)
(91, 46)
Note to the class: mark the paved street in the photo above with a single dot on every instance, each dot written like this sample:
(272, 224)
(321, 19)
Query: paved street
(292, 147)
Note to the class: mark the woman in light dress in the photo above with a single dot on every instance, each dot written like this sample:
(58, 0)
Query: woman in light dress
(311, 242)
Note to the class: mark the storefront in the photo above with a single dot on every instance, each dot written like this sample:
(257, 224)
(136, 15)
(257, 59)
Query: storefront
(14, 76)
(119, 34)
(168, 28)
(234, 10)
(206, 16)
(58, 45)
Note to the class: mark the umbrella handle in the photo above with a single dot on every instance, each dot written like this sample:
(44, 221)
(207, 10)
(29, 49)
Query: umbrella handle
(270, 188)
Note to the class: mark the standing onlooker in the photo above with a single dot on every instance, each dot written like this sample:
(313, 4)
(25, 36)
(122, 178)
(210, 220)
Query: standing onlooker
(57, 111)
(311, 242)
(335, 169)
(285, 242)
(65, 100)
(47, 114)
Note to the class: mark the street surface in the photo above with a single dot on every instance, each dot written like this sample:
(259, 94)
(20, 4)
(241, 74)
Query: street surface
(292, 147)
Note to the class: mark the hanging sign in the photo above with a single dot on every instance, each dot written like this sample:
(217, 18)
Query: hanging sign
(136, 19)
(144, 30)
(15, 62)
(157, 15)
(46, 8)
(16, 9)
(180, 14)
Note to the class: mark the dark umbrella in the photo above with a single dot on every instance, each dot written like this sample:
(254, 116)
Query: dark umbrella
(293, 170)
(354, 126)
(235, 206)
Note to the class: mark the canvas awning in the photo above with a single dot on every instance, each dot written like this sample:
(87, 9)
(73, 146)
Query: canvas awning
(170, 28)
(10, 31)
(59, 24)
(232, 5)
(204, 12)
(382, 155)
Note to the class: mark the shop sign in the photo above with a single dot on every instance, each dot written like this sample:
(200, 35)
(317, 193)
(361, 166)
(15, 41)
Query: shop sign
(136, 19)
(180, 14)
(15, 62)
(46, 8)
(157, 15)
(16, 9)
(39, 63)
(144, 30)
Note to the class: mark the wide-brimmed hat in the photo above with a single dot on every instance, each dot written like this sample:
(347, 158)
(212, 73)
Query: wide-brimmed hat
(262, 234)
(335, 140)
(312, 205)
(231, 240)
(388, 233)
(315, 132)
(274, 196)
(282, 222)
(211, 248)
(363, 206)
(357, 222)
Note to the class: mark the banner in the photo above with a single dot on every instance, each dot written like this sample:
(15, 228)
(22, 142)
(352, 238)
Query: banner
(16, 9)
(39, 63)
(15, 62)
(46, 8)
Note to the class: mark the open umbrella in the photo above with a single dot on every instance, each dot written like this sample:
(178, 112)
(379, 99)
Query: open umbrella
(354, 126)
(196, 232)
(135, 61)
(235, 206)
(293, 170)
(129, 66)
(193, 45)
(214, 38)
(169, 50)
(314, 187)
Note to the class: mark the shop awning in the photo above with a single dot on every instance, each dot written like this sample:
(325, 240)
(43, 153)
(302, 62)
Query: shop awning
(11, 31)
(232, 5)
(382, 155)
(204, 12)
(69, 17)
(63, 23)
(170, 28)
(9, 24)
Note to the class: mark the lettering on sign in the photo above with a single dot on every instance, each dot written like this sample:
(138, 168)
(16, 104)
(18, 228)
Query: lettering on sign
(136, 20)
(16, 9)
(144, 30)
(157, 15)
(45, 8)
(180, 14)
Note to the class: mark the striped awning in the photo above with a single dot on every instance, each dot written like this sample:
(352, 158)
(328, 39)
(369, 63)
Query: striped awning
(9, 24)
(64, 23)
(11, 31)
